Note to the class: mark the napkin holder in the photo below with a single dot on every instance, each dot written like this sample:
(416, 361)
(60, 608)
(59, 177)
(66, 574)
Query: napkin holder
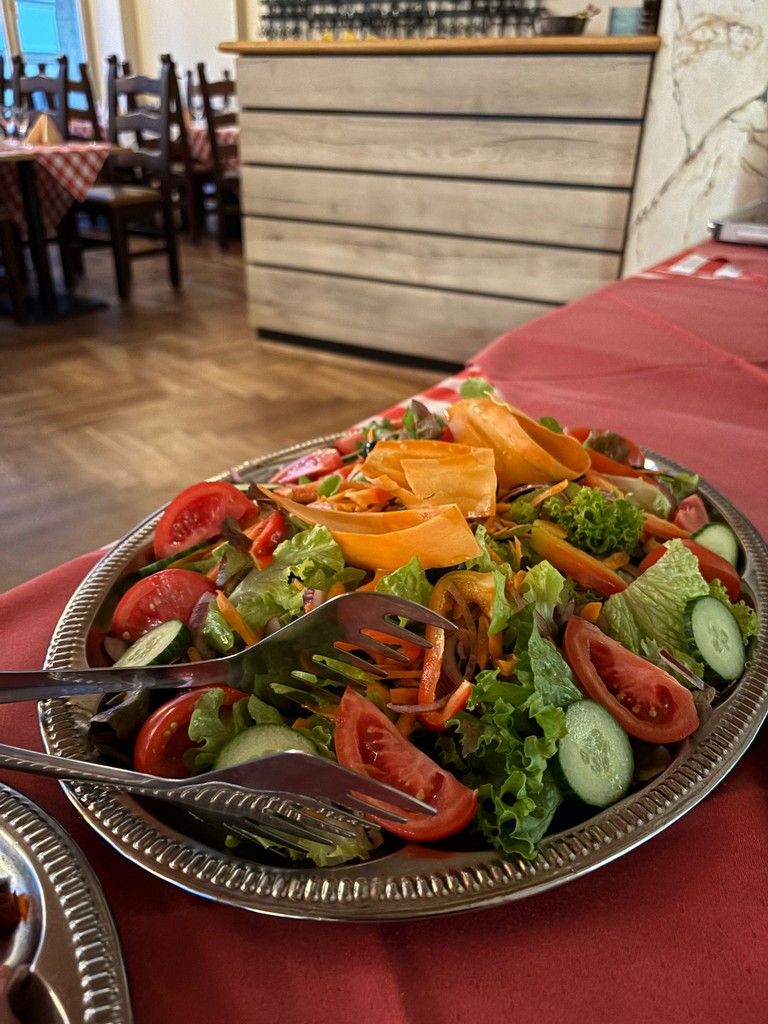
(44, 131)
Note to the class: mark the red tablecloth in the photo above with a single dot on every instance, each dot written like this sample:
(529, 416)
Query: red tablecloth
(677, 929)
(63, 171)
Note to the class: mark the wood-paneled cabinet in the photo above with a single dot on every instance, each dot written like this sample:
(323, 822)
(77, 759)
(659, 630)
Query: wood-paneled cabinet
(422, 200)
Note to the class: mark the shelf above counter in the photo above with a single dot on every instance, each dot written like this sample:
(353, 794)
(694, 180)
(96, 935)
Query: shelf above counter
(472, 45)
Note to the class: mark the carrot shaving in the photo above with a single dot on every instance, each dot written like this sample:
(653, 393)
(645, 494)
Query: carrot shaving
(234, 619)
(496, 645)
(518, 579)
(554, 489)
(506, 665)
(518, 549)
(481, 647)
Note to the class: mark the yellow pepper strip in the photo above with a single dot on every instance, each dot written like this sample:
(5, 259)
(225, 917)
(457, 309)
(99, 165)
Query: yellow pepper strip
(506, 665)
(335, 590)
(234, 619)
(518, 549)
(554, 489)
(519, 579)
(193, 654)
(616, 560)
(496, 645)
(405, 724)
(404, 694)
(591, 612)
(482, 642)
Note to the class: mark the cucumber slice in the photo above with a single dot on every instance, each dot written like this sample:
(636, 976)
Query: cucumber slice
(713, 631)
(595, 757)
(163, 563)
(159, 646)
(260, 740)
(718, 538)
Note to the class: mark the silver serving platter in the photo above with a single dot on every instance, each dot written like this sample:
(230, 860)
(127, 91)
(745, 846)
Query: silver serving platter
(411, 881)
(68, 939)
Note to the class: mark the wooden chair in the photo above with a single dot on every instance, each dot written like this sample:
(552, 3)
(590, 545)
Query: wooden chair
(42, 91)
(86, 109)
(217, 105)
(14, 277)
(142, 208)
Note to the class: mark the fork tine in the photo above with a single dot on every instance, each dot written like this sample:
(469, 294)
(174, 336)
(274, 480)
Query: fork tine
(250, 828)
(388, 604)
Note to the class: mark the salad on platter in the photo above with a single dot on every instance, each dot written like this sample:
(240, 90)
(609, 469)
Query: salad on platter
(599, 608)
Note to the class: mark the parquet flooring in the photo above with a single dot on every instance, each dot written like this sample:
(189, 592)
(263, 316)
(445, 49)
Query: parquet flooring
(105, 417)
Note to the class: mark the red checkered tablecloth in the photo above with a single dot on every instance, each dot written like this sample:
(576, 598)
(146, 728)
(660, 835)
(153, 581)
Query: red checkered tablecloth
(64, 172)
(200, 143)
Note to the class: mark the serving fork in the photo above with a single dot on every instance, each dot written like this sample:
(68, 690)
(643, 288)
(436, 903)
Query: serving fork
(281, 797)
(342, 620)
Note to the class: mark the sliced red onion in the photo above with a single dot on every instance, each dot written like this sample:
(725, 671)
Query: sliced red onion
(420, 709)
(272, 625)
(313, 596)
(196, 620)
(235, 477)
(115, 646)
(523, 489)
(684, 671)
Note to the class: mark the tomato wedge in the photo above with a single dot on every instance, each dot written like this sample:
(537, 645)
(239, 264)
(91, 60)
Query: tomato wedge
(711, 566)
(368, 742)
(164, 738)
(644, 699)
(165, 595)
(197, 514)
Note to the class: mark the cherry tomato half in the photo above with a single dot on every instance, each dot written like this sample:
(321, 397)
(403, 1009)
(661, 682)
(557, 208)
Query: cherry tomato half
(644, 699)
(197, 514)
(165, 595)
(368, 742)
(711, 566)
(164, 738)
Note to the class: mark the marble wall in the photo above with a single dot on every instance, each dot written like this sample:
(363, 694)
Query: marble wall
(705, 145)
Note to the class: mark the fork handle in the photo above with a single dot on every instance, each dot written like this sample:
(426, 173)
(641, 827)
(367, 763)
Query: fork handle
(38, 684)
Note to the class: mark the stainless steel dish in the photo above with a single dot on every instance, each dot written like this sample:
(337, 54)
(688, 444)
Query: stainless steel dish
(411, 881)
(68, 939)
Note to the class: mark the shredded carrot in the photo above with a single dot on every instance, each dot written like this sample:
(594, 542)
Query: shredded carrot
(506, 665)
(194, 556)
(213, 573)
(378, 575)
(481, 646)
(193, 654)
(335, 590)
(554, 489)
(394, 672)
(404, 694)
(591, 612)
(234, 619)
(405, 724)
(301, 723)
(518, 549)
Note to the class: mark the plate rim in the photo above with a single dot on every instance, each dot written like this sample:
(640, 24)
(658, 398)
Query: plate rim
(75, 917)
(414, 881)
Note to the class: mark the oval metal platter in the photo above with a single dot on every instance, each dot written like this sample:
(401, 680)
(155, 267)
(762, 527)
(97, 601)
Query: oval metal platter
(67, 939)
(411, 881)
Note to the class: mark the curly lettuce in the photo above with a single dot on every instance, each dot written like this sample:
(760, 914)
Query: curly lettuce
(600, 523)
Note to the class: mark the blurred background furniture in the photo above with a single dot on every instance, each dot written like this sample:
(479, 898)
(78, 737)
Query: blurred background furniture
(138, 203)
(42, 92)
(13, 279)
(419, 196)
(214, 141)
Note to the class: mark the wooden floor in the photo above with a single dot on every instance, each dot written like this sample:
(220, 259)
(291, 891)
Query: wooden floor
(106, 416)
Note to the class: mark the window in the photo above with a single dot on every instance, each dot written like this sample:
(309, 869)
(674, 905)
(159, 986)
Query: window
(42, 30)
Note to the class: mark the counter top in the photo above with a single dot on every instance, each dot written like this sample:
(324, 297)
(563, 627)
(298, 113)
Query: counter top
(406, 47)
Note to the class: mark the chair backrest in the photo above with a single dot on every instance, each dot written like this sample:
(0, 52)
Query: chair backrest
(217, 104)
(50, 90)
(85, 110)
(148, 111)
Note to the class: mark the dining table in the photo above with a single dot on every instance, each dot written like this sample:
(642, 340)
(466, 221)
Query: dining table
(676, 358)
(39, 183)
(199, 137)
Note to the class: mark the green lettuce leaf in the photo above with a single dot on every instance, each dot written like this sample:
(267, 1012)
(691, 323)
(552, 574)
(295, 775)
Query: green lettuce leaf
(409, 581)
(212, 726)
(502, 749)
(599, 523)
(651, 609)
(312, 557)
(543, 586)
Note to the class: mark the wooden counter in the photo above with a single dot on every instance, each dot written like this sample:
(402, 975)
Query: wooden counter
(423, 196)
